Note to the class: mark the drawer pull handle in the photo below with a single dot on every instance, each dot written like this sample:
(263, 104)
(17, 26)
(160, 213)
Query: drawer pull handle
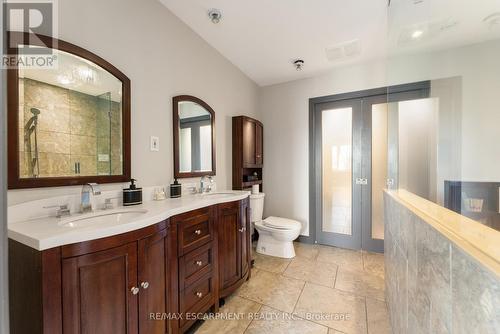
(243, 229)
(145, 285)
(199, 263)
(199, 294)
(198, 232)
(134, 290)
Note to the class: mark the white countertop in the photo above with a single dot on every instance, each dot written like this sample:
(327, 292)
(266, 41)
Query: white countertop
(47, 232)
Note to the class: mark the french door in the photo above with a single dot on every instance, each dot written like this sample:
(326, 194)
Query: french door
(354, 157)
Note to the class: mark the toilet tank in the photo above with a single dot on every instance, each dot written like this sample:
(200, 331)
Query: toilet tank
(257, 206)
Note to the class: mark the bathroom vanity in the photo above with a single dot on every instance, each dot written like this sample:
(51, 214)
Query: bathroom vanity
(155, 272)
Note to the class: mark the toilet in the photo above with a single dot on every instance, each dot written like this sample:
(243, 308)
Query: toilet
(276, 234)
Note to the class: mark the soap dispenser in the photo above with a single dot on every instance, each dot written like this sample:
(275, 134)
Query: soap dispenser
(175, 189)
(132, 195)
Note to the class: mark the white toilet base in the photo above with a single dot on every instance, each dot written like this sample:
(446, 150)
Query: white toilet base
(267, 245)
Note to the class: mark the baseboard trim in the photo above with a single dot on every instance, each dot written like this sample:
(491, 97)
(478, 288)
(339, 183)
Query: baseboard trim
(305, 239)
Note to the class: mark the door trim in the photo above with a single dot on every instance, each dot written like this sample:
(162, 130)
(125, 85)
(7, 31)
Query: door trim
(393, 93)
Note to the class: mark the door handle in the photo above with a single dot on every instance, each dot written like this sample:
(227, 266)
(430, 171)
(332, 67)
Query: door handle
(243, 229)
(361, 181)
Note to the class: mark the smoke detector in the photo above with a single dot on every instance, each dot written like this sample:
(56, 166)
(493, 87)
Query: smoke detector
(492, 21)
(299, 64)
(215, 15)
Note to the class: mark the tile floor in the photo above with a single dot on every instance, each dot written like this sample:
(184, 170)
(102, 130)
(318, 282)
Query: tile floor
(322, 290)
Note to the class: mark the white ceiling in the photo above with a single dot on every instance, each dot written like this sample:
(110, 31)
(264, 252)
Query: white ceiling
(263, 37)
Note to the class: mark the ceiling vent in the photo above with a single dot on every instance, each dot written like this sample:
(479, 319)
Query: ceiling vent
(344, 51)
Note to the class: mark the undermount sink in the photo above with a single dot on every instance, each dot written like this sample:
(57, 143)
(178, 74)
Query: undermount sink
(110, 216)
(222, 193)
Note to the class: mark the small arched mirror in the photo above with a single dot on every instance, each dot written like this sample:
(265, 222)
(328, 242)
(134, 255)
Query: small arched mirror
(194, 137)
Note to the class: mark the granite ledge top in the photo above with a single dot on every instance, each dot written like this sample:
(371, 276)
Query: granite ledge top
(481, 242)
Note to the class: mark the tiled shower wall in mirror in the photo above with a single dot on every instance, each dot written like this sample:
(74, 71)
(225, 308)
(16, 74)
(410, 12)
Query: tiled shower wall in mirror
(76, 134)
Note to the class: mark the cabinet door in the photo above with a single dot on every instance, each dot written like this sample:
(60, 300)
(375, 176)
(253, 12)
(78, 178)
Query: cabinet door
(248, 143)
(152, 267)
(229, 244)
(97, 292)
(259, 140)
(246, 255)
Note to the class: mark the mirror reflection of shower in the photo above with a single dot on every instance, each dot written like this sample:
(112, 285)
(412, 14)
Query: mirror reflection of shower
(31, 143)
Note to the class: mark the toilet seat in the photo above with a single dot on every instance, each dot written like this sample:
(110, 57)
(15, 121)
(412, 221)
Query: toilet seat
(281, 223)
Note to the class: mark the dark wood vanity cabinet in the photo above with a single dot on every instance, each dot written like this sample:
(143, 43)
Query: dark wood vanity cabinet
(234, 245)
(146, 281)
(116, 289)
(96, 297)
(197, 266)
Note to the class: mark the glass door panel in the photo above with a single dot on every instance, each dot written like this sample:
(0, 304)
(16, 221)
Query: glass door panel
(379, 167)
(337, 170)
(337, 154)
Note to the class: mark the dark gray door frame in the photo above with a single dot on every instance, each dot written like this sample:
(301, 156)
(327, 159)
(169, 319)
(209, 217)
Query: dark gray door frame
(352, 241)
(393, 94)
(4, 298)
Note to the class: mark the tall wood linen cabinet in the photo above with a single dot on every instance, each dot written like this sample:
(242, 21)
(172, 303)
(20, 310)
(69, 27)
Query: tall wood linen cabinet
(248, 155)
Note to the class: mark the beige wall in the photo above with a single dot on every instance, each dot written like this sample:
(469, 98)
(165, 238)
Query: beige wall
(285, 114)
(163, 58)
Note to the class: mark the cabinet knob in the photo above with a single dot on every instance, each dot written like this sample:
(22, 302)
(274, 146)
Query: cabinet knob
(258, 156)
(199, 294)
(243, 229)
(145, 285)
(199, 263)
(198, 232)
(134, 290)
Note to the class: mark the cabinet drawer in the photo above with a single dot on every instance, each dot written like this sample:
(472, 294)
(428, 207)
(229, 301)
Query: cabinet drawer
(194, 232)
(196, 296)
(195, 264)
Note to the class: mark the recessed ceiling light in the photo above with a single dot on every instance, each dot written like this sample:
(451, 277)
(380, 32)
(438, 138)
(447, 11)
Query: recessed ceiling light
(299, 64)
(417, 34)
(215, 15)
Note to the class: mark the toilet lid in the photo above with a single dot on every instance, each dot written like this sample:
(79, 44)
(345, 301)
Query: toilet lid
(281, 223)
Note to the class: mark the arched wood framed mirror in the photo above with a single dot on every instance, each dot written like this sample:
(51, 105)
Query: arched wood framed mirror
(68, 124)
(194, 137)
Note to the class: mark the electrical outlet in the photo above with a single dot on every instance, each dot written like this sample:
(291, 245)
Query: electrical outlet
(155, 144)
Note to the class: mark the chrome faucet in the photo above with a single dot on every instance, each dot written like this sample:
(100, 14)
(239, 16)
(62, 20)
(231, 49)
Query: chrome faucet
(89, 190)
(62, 210)
(208, 188)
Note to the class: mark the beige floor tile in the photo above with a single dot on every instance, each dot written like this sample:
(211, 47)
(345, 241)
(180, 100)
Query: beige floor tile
(273, 290)
(270, 263)
(341, 257)
(271, 321)
(312, 271)
(333, 308)
(360, 282)
(378, 317)
(374, 262)
(306, 251)
(227, 322)
(333, 331)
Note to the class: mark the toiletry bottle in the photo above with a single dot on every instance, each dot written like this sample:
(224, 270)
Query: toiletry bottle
(175, 189)
(132, 195)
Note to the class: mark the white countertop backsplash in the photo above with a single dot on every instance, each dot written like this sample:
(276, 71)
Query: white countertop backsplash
(29, 223)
